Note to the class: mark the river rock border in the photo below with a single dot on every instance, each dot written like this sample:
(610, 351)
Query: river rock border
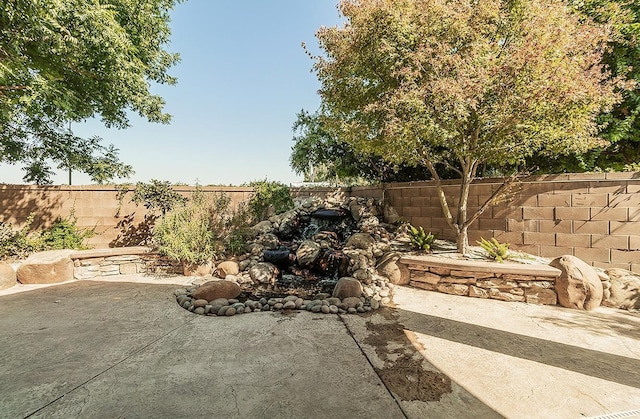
(227, 307)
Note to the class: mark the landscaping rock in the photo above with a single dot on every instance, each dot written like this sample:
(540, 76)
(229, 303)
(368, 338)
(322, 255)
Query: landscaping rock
(50, 267)
(624, 291)
(361, 241)
(212, 290)
(347, 287)
(578, 285)
(7, 276)
(398, 273)
(225, 268)
(307, 253)
(264, 273)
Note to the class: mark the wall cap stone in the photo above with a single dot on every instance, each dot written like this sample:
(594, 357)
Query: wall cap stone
(483, 266)
(113, 251)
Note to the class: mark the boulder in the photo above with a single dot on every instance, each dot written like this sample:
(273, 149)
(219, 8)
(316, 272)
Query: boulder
(389, 267)
(362, 241)
(227, 267)
(269, 241)
(7, 276)
(578, 285)
(264, 273)
(347, 287)
(624, 291)
(197, 269)
(50, 267)
(217, 289)
(262, 227)
(307, 253)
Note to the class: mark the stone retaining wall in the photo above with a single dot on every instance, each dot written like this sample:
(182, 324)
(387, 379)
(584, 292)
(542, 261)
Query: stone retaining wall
(506, 282)
(122, 261)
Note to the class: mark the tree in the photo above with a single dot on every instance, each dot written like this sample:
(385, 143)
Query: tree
(620, 126)
(463, 83)
(73, 60)
(320, 156)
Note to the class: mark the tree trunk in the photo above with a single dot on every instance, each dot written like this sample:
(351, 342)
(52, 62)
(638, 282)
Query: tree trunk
(462, 240)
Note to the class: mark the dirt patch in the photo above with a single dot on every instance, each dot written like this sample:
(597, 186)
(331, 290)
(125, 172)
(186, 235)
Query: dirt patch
(404, 372)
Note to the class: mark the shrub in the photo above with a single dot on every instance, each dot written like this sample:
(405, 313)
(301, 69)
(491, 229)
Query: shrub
(185, 233)
(65, 234)
(495, 250)
(269, 194)
(420, 240)
(18, 244)
(156, 195)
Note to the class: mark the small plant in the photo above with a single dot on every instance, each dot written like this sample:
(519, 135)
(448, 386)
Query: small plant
(18, 244)
(496, 250)
(269, 195)
(65, 234)
(420, 240)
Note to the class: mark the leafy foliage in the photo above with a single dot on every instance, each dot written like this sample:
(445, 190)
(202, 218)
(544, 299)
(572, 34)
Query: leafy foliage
(185, 233)
(496, 250)
(420, 240)
(156, 195)
(18, 244)
(63, 234)
(267, 195)
(463, 84)
(321, 156)
(64, 61)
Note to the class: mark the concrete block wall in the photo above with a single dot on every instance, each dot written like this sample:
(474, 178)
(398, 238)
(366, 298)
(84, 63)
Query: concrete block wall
(595, 217)
(95, 206)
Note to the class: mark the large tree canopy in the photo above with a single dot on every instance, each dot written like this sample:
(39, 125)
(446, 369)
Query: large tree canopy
(463, 83)
(63, 61)
(321, 156)
(621, 125)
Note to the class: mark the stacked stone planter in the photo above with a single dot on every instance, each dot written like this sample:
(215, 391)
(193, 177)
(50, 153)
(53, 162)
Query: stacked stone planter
(481, 279)
(95, 263)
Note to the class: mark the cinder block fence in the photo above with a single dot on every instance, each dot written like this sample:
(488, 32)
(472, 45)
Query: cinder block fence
(595, 217)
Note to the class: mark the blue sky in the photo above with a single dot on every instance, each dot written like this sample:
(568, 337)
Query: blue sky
(242, 79)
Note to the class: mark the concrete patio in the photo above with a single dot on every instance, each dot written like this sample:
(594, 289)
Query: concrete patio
(126, 349)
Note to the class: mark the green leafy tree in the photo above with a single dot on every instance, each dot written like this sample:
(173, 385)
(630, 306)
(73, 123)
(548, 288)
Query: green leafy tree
(463, 84)
(63, 61)
(320, 155)
(620, 126)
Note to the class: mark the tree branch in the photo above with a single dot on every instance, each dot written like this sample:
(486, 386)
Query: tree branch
(499, 193)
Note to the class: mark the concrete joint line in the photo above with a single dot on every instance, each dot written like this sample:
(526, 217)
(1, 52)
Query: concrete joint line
(373, 367)
(110, 368)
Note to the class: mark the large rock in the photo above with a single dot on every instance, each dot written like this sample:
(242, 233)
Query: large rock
(307, 253)
(347, 287)
(578, 285)
(362, 241)
(217, 289)
(389, 267)
(7, 276)
(50, 267)
(624, 290)
(264, 273)
(227, 267)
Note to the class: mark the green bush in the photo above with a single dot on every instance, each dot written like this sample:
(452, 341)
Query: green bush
(269, 194)
(185, 233)
(495, 250)
(156, 195)
(65, 234)
(18, 244)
